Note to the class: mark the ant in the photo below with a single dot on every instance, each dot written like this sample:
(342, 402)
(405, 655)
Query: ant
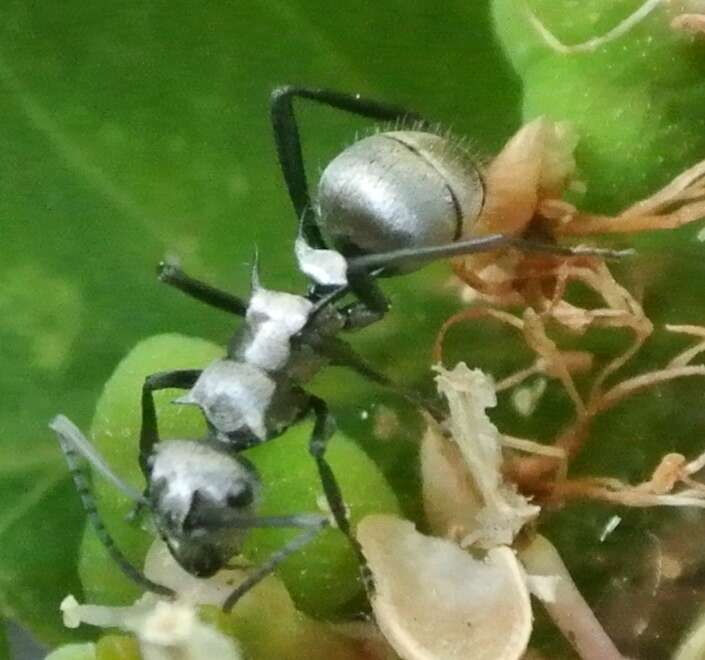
(388, 204)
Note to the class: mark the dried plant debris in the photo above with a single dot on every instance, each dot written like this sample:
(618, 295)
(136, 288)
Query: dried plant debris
(672, 482)
(434, 601)
(464, 593)
(537, 163)
(470, 467)
(504, 511)
(544, 476)
(525, 185)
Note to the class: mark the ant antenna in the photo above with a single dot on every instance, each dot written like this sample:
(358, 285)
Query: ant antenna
(255, 283)
(74, 444)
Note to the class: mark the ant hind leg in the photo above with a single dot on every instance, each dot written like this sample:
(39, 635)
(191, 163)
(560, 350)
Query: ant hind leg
(288, 141)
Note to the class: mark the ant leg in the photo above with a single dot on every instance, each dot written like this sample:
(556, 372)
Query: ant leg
(288, 142)
(358, 316)
(172, 275)
(422, 255)
(323, 429)
(313, 526)
(371, 306)
(363, 284)
(343, 355)
(72, 440)
(183, 379)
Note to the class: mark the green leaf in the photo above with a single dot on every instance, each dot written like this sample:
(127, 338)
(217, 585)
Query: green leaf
(636, 101)
(4, 643)
(132, 130)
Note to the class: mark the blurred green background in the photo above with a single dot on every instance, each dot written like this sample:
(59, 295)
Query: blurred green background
(135, 130)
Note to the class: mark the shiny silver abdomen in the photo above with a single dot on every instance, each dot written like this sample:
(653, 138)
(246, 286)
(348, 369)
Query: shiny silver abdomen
(399, 189)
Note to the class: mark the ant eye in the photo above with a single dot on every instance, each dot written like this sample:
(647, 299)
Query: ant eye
(242, 499)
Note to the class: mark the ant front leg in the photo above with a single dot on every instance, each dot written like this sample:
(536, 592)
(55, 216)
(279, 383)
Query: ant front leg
(288, 142)
(172, 275)
(312, 526)
(183, 379)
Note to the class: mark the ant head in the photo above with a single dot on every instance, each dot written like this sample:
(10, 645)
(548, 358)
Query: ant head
(197, 494)
(200, 559)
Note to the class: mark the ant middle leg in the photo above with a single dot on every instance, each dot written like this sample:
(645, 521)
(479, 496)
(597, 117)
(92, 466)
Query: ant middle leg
(341, 354)
(288, 141)
(323, 429)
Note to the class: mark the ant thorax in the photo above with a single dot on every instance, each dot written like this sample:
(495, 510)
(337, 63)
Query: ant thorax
(255, 392)
(234, 397)
(272, 319)
(279, 334)
(196, 493)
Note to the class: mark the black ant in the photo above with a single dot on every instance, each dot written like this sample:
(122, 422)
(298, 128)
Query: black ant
(387, 204)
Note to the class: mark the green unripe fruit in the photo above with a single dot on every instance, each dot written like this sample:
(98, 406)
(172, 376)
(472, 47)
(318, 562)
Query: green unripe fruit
(322, 578)
(85, 651)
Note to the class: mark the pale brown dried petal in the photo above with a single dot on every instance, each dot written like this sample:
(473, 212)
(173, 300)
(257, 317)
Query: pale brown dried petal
(450, 500)
(433, 601)
(536, 163)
